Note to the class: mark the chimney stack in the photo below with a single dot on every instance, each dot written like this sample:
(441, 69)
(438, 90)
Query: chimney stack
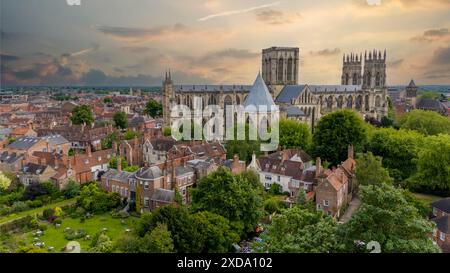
(119, 164)
(88, 150)
(318, 166)
(114, 147)
(350, 151)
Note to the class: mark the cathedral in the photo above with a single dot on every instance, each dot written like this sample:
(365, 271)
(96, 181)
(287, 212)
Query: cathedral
(363, 88)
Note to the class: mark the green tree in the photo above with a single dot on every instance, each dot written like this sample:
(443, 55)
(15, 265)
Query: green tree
(385, 216)
(301, 197)
(82, 114)
(103, 244)
(335, 132)
(426, 122)
(130, 134)
(184, 231)
(433, 164)
(5, 182)
(107, 142)
(71, 190)
(120, 120)
(299, 230)
(153, 108)
(158, 240)
(398, 148)
(216, 232)
(113, 162)
(243, 148)
(94, 199)
(167, 131)
(107, 100)
(231, 196)
(369, 170)
(294, 134)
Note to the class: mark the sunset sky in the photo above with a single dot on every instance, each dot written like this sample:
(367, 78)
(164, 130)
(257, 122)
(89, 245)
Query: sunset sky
(133, 42)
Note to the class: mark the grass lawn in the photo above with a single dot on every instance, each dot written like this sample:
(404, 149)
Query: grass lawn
(55, 236)
(34, 211)
(426, 197)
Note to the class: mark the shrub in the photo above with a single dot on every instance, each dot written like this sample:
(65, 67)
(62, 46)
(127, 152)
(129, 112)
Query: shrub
(48, 213)
(71, 234)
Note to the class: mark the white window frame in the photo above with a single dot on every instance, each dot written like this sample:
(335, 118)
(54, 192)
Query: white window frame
(441, 236)
(326, 203)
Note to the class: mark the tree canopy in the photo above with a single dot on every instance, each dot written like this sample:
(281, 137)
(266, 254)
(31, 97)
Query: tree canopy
(398, 148)
(294, 134)
(299, 230)
(120, 120)
(426, 122)
(5, 182)
(82, 114)
(232, 196)
(335, 132)
(369, 170)
(385, 216)
(153, 108)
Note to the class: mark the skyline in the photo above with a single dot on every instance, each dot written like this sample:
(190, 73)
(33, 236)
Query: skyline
(212, 41)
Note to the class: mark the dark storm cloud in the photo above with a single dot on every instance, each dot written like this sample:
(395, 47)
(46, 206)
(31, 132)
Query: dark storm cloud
(143, 33)
(442, 56)
(276, 17)
(8, 58)
(326, 52)
(96, 77)
(432, 35)
(395, 63)
(228, 53)
(136, 49)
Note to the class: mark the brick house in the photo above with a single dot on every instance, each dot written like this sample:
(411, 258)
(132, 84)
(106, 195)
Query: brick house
(335, 187)
(131, 150)
(80, 136)
(34, 173)
(288, 168)
(441, 216)
(155, 150)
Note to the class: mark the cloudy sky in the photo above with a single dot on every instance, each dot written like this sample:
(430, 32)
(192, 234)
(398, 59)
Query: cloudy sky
(132, 42)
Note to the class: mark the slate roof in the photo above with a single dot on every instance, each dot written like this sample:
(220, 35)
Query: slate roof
(335, 88)
(290, 92)
(211, 88)
(443, 224)
(443, 205)
(32, 168)
(429, 104)
(55, 139)
(259, 94)
(412, 84)
(293, 111)
(162, 144)
(163, 195)
(24, 143)
(182, 170)
(5, 131)
(115, 175)
(149, 173)
(8, 158)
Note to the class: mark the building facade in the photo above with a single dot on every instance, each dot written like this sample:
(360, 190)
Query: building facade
(363, 88)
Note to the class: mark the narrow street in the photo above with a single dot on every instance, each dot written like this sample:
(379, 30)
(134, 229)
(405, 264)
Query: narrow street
(352, 207)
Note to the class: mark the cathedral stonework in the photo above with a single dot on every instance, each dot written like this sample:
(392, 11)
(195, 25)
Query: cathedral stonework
(363, 88)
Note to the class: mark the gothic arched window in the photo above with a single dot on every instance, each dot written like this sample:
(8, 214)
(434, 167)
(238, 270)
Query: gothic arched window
(359, 102)
(340, 102)
(355, 79)
(280, 69)
(346, 79)
(350, 102)
(378, 101)
(366, 102)
(330, 103)
(378, 79)
(289, 69)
